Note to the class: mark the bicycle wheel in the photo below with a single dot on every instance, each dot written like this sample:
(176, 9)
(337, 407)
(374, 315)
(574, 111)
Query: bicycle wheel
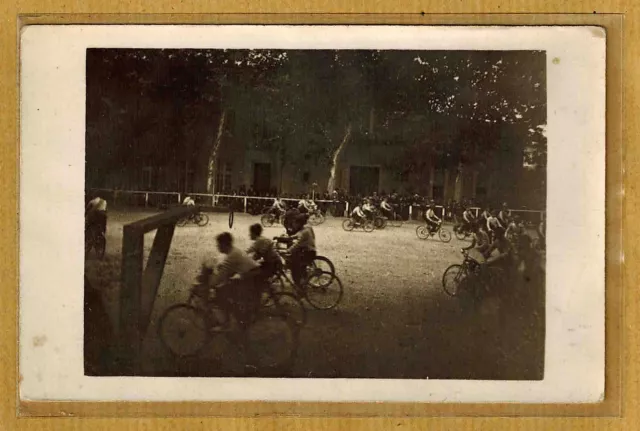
(291, 305)
(266, 220)
(444, 234)
(379, 223)
(321, 263)
(325, 294)
(183, 221)
(368, 226)
(230, 217)
(183, 330)
(202, 220)
(271, 341)
(422, 232)
(452, 279)
(460, 234)
(348, 225)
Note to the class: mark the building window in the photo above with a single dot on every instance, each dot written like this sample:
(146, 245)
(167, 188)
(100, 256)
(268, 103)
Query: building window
(223, 179)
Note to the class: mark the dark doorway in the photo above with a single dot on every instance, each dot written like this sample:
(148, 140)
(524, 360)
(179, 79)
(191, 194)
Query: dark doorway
(262, 177)
(364, 180)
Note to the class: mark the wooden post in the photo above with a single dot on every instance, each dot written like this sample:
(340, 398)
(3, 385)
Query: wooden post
(153, 274)
(245, 204)
(129, 336)
(146, 199)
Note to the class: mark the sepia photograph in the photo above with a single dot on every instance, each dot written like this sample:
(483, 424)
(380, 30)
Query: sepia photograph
(387, 208)
(313, 213)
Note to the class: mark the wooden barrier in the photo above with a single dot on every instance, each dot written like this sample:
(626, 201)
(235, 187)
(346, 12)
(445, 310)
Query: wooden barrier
(139, 283)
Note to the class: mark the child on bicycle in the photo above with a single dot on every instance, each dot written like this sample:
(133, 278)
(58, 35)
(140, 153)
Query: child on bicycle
(303, 250)
(263, 251)
(387, 210)
(236, 279)
(479, 241)
(432, 220)
(358, 215)
(96, 215)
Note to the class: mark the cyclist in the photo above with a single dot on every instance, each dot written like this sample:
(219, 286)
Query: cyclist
(263, 251)
(188, 201)
(304, 206)
(484, 216)
(504, 215)
(289, 217)
(467, 219)
(303, 250)
(277, 207)
(387, 210)
(494, 227)
(368, 209)
(234, 277)
(358, 215)
(96, 215)
(432, 220)
(480, 240)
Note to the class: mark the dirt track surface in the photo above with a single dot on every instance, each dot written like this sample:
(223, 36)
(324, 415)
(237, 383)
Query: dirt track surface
(394, 320)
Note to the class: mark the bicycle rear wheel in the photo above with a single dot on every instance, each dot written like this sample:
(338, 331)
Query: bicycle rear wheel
(324, 291)
(422, 232)
(368, 226)
(379, 223)
(460, 234)
(183, 330)
(271, 341)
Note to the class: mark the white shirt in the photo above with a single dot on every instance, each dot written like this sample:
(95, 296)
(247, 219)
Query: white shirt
(431, 215)
(188, 201)
(237, 262)
(386, 206)
(357, 211)
(97, 204)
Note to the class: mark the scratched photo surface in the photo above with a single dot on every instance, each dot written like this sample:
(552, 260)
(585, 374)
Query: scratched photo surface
(374, 169)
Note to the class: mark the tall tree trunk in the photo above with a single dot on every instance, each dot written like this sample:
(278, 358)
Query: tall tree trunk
(334, 161)
(458, 187)
(213, 155)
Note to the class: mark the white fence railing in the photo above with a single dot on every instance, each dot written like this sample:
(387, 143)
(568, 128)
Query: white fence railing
(150, 199)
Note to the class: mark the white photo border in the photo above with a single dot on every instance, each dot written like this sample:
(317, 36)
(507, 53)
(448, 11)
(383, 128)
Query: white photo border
(52, 163)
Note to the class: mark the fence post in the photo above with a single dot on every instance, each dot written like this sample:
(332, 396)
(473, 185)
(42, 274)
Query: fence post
(146, 200)
(245, 204)
(346, 209)
(179, 200)
(410, 212)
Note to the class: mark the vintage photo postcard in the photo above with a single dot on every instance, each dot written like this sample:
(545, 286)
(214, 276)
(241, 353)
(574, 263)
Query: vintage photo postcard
(312, 213)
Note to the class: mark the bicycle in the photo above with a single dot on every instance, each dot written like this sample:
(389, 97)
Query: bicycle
(269, 219)
(425, 232)
(379, 222)
(471, 279)
(462, 232)
(94, 239)
(186, 328)
(350, 224)
(199, 218)
(320, 287)
(316, 218)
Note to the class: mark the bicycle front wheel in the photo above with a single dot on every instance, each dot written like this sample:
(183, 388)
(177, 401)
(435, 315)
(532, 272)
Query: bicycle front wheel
(324, 291)
(266, 220)
(348, 225)
(183, 330)
(202, 220)
(452, 279)
(445, 235)
(322, 264)
(368, 226)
